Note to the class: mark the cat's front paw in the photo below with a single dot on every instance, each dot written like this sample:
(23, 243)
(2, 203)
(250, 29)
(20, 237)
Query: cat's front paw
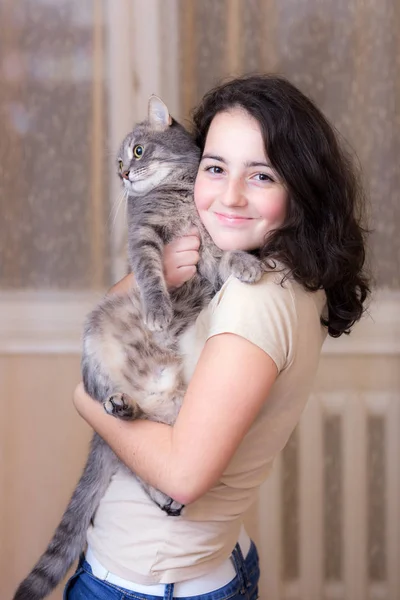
(159, 315)
(121, 406)
(243, 266)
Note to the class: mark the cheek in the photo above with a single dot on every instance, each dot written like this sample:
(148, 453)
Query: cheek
(274, 210)
(201, 194)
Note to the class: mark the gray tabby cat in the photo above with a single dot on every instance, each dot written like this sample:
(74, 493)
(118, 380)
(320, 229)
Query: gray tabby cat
(131, 355)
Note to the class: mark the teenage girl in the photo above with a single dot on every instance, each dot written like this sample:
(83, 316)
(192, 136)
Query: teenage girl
(272, 180)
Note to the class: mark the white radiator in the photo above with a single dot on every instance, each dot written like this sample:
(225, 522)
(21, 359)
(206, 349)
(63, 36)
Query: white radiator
(362, 478)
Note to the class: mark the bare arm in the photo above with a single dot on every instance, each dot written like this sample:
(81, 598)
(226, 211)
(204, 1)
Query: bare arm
(231, 382)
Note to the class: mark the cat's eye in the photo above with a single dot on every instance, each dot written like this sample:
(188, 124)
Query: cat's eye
(138, 151)
(120, 164)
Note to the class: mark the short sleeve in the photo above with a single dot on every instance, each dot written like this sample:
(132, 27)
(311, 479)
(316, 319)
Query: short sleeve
(263, 313)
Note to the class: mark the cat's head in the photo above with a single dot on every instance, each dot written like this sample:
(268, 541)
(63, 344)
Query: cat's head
(156, 150)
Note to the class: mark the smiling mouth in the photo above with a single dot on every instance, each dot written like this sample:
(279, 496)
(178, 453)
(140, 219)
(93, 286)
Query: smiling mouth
(232, 218)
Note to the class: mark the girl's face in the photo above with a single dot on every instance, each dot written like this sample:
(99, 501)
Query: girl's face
(239, 197)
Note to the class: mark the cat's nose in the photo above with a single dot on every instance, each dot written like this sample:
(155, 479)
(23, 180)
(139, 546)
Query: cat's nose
(125, 175)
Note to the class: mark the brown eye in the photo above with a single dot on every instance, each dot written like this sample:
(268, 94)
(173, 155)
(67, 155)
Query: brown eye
(138, 151)
(120, 164)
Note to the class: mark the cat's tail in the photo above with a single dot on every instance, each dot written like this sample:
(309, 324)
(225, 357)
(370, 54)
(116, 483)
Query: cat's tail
(70, 536)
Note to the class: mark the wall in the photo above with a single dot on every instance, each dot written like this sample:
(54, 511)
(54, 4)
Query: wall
(43, 447)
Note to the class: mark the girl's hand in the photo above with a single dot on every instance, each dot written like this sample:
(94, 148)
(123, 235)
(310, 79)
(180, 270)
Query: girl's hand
(180, 259)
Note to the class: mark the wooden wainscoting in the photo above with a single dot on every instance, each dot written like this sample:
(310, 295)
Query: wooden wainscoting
(327, 520)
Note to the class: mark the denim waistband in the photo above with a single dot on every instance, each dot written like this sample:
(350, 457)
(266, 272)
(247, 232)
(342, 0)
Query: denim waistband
(215, 579)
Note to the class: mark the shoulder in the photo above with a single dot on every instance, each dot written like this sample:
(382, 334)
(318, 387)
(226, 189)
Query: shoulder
(263, 313)
(267, 313)
(270, 290)
(275, 288)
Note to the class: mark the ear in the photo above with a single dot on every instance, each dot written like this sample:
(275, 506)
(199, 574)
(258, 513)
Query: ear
(158, 113)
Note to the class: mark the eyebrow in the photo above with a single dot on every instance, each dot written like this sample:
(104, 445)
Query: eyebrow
(246, 164)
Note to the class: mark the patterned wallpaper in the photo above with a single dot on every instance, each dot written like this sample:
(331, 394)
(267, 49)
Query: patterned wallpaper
(52, 227)
(344, 54)
(54, 230)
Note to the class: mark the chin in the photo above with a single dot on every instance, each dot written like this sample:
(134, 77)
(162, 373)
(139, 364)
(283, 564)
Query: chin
(227, 246)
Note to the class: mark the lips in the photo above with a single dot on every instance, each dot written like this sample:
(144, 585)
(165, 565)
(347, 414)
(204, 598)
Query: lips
(232, 219)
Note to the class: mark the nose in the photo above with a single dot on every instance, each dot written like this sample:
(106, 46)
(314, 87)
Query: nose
(233, 194)
(125, 175)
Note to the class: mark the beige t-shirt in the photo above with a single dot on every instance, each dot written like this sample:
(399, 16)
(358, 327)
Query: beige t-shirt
(131, 536)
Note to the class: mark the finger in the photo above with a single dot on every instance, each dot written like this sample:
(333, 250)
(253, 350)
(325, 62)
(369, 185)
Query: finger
(193, 231)
(187, 242)
(187, 258)
(180, 275)
(193, 242)
(186, 273)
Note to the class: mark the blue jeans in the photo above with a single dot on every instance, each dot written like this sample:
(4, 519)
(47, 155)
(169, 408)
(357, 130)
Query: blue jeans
(83, 585)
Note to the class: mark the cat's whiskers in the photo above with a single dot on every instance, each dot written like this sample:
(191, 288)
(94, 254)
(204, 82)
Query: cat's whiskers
(117, 205)
(139, 173)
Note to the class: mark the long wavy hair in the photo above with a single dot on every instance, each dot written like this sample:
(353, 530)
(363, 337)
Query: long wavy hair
(321, 241)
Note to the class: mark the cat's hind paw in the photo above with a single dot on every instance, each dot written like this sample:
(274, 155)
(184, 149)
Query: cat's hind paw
(121, 406)
(172, 508)
(167, 504)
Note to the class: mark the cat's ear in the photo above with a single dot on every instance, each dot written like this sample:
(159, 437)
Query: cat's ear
(158, 113)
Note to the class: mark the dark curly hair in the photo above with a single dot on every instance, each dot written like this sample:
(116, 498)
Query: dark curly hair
(321, 240)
